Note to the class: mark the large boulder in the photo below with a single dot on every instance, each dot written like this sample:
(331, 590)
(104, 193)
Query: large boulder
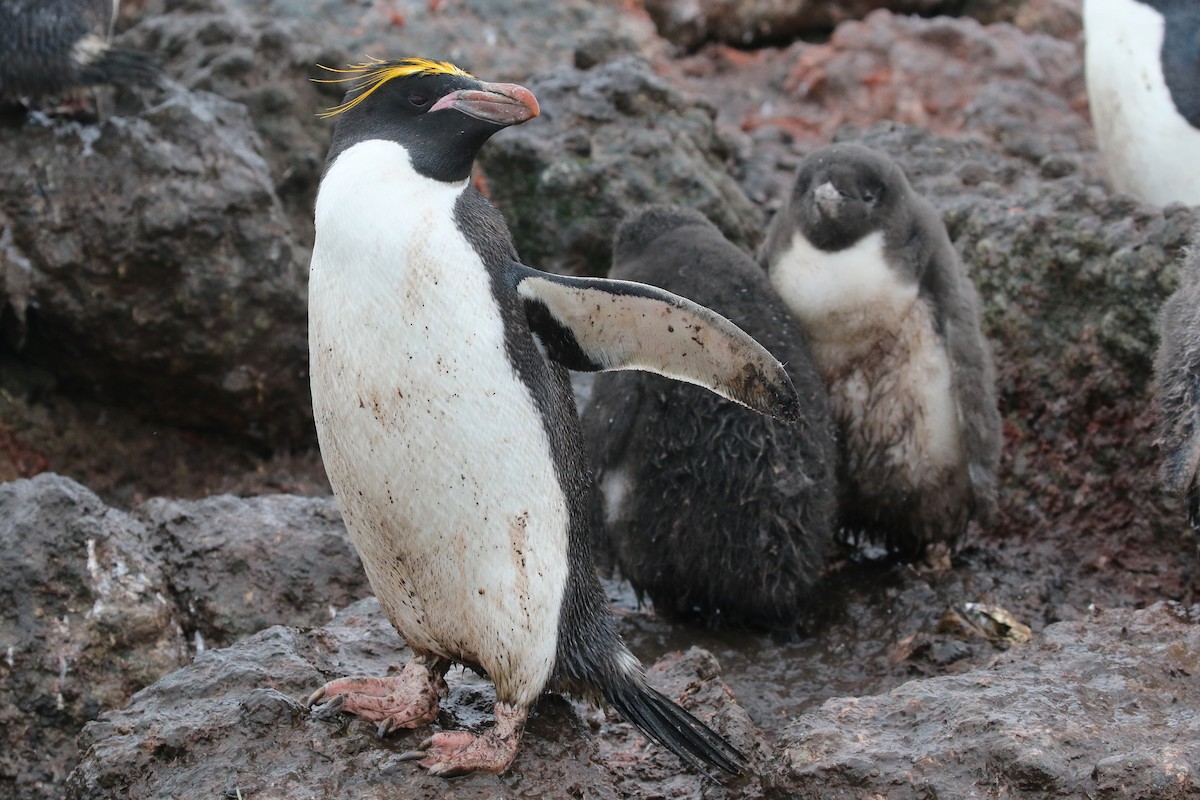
(1101, 707)
(237, 566)
(97, 603)
(148, 262)
(264, 55)
(85, 621)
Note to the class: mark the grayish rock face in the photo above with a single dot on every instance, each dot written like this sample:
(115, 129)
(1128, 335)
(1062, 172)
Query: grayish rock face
(96, 603)
(237, 566)
(235, 721)
(158, 260)
(610, 139)
(1101, 707)
(85, 621)
(148, 260)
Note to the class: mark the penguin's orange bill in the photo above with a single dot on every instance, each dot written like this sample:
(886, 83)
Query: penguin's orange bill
(501, 103)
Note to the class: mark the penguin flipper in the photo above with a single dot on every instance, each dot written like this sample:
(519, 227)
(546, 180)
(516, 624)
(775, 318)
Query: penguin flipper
(598, 325)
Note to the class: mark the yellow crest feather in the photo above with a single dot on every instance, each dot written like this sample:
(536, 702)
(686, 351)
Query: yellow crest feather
(375, 72)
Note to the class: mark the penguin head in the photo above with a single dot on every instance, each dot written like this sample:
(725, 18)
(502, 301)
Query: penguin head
(440, 114)
(844, 192)
(640, 228)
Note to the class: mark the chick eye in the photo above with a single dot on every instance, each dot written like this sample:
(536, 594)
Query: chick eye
(418, 100)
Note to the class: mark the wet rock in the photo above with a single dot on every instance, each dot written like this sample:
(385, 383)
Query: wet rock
(262, 62)
(642, 769)
(237, 566)
(96, 603)
(148, 261)
(1100, 707)
(610, 139)
(234, 721)
(500, 40)
(85, 621)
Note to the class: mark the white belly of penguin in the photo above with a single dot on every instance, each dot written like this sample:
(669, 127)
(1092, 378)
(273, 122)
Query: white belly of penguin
(1149, 148)
(874, 342)
(434, 447)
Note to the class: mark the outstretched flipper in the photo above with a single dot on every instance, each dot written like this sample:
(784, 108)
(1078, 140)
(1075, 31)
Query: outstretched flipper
(598, 325)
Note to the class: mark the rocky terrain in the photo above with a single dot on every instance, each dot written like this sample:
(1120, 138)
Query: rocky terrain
(175, 577)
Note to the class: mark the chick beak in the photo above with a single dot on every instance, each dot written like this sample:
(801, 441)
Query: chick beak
(828, 198)
(499, 103)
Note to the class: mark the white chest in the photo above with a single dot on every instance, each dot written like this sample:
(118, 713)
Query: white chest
(841, 296)
(1149, 148)
(433, 445)
(874, 342)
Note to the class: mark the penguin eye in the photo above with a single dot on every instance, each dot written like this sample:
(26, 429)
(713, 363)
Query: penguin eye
(418, 100)
(871, 195)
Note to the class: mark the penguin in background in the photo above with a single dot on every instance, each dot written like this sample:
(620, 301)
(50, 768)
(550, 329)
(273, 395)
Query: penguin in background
(448, 427)
(1143, 82)
(1177, 384)
(865, 265)
(53, 46)
(710, 509)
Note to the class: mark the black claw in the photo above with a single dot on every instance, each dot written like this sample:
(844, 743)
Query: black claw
(384, 728)
(330, 708)
(413, 755)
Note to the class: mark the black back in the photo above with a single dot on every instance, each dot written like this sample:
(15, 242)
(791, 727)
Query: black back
(1181, 54)
(588, 641)
(728, 514)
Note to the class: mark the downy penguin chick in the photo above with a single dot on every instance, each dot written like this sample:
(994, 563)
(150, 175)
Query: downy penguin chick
(450, 434)
(1177, 383)
(866, 266)
(710, 509)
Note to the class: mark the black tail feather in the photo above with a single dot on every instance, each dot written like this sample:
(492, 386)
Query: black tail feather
(122, 67)
(674, 728)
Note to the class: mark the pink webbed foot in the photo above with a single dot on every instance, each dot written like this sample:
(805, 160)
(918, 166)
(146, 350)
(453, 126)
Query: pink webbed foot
(408, 700)
(453, 753)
